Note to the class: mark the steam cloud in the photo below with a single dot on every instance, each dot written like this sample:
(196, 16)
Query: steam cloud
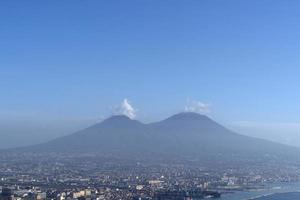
(125, 108)
(197, 106)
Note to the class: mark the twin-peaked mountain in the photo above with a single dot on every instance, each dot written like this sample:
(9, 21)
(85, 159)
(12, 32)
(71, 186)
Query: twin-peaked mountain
(186, 134)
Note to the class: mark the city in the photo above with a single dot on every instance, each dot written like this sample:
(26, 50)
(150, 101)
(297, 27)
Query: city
(60, 177)
(149, 100)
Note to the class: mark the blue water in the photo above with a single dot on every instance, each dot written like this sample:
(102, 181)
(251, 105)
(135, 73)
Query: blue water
(280, 191)
(282, 196)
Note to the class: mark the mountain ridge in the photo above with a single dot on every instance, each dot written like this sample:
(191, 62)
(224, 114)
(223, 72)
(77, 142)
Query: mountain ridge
(181, 135)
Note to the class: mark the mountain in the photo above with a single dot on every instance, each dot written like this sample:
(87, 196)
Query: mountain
(184, 135)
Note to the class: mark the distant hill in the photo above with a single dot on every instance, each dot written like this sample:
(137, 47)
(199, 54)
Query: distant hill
(184, 135)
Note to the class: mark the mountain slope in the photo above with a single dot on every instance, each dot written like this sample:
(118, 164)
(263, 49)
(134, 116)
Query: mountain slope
(183, 135)
(116, 134)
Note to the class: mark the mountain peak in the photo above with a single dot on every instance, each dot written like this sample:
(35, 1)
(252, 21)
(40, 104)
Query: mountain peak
(119, 117)
(120, 120)
(188, 116)
(185, 134)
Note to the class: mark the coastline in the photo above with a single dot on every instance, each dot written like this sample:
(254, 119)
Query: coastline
(270, 189)
(274, 194)
(264, 195)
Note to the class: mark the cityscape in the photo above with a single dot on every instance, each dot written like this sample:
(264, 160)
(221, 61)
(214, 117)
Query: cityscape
(36, 176)
(149, 100)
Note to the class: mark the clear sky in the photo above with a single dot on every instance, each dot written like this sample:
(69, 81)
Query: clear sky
(77, 60)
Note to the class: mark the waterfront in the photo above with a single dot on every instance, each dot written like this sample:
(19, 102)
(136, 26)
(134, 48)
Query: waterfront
(284, 189)
(281, 196)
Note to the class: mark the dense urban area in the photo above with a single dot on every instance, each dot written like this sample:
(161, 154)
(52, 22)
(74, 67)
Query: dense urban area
(53, 176)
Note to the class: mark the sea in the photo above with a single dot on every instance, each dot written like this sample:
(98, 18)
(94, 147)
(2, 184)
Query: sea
(282, 196)
(274, 191)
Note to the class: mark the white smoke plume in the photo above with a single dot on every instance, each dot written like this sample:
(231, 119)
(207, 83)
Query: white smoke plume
(125, 108)
(197, 106)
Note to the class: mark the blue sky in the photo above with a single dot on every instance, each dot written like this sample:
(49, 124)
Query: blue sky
(76, 60)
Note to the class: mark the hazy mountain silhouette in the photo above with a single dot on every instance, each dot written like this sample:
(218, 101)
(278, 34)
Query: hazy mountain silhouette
(185, 134)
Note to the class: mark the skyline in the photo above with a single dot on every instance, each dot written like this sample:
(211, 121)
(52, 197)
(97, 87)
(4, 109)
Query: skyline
(71, 62)
(29, 132)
